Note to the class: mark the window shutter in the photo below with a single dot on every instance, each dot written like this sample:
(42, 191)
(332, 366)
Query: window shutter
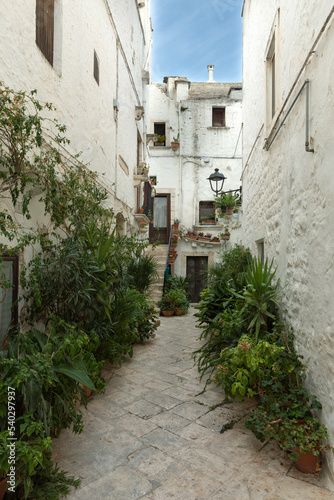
(45, 27)
(218, 117)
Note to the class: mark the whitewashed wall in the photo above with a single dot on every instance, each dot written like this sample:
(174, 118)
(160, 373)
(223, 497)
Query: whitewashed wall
(120, 33)
(184, 172)
(288, 192)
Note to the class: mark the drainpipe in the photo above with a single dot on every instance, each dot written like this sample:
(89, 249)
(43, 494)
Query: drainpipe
(307, 138)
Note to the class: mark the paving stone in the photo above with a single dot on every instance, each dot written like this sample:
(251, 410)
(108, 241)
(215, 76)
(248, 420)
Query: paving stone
(195, 432)
(162, 399)
(166, 441)
(134, 424)
(154, 435)
(154, 464)
(189, 485)
(216, 419)
(269, 487)
(190, 410)
(121, 484)
(144, 408)
(170, 421)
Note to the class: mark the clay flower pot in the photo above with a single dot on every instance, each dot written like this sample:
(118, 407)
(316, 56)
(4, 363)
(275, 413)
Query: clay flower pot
(229, 210)
(167, 314)
(307, 462)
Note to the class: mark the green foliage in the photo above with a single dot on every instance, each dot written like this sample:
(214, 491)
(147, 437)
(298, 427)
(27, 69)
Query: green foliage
(81, 288)
(244, 367)
(143, 271)
(173, 300)
(178, 283)
(260, 295)
(228, 199)
(218, 312)
(36, 476)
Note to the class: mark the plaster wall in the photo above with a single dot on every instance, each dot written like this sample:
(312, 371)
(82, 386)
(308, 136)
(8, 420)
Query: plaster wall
(121, 36)
(202, 149)
(288, 192)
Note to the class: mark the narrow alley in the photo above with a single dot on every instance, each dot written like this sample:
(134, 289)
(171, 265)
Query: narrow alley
(153, 435)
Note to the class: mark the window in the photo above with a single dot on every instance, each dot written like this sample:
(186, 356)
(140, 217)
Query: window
(160, 130)
(206, 212)
(218, 117)
(96, 68)
(8, 294)
(45, 28)
(272, 72)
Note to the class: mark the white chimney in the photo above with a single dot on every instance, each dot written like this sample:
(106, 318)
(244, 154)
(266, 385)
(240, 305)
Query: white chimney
(210, 70)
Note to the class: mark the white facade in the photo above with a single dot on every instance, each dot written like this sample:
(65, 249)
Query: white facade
(288, 189)
(100, 116)
(185, 109)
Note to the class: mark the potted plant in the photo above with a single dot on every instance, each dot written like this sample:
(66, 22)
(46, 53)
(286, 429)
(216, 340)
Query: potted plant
(209, 219)
(175, 143)
(161, 140)
(143, 227)
(215, 239)
(176, 224)
(227, 201)
(166, 305)
(192, 235)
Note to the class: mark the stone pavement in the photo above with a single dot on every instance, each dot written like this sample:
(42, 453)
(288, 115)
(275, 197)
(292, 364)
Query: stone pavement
(153, 436)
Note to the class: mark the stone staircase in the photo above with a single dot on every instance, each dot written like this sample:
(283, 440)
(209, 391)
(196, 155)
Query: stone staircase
(160, 254)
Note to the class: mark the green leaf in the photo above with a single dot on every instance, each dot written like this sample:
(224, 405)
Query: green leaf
(76, 374)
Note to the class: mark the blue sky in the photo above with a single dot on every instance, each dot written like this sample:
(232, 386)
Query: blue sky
(190, 34)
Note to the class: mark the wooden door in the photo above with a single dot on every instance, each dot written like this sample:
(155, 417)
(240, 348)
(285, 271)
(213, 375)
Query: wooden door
(197, 270)
(160, 229)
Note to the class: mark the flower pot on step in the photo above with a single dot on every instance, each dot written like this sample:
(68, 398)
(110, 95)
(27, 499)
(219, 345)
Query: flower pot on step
(307, 462)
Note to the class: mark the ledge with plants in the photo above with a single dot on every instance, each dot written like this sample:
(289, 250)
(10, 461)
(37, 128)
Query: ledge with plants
(250, 353)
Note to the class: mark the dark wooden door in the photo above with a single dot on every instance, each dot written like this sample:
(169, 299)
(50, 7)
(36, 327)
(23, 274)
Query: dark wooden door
(197, 271)
(160, 229)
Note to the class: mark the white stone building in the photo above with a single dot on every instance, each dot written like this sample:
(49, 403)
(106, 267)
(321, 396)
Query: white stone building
(205, 118)
(288, 150)
(92, 61)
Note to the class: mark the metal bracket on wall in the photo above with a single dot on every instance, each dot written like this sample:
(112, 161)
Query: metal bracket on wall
(268, 142)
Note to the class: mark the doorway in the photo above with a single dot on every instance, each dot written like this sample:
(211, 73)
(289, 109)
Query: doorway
(160, 229)
(197, 271)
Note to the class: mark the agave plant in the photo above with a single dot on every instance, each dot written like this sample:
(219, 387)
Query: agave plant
(260, 295)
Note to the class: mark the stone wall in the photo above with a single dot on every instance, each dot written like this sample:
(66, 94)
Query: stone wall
(120, 34)
(288, 192)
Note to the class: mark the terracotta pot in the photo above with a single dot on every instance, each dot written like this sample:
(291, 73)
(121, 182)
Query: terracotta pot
(307, 462)
(191, 236)
(167, 314)
(175, 145)
(171, 261)
(201, 238)
(176, 226)
(225, 237)
(178, 312)
(229, 210)
(140, 210)
(3, 487)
